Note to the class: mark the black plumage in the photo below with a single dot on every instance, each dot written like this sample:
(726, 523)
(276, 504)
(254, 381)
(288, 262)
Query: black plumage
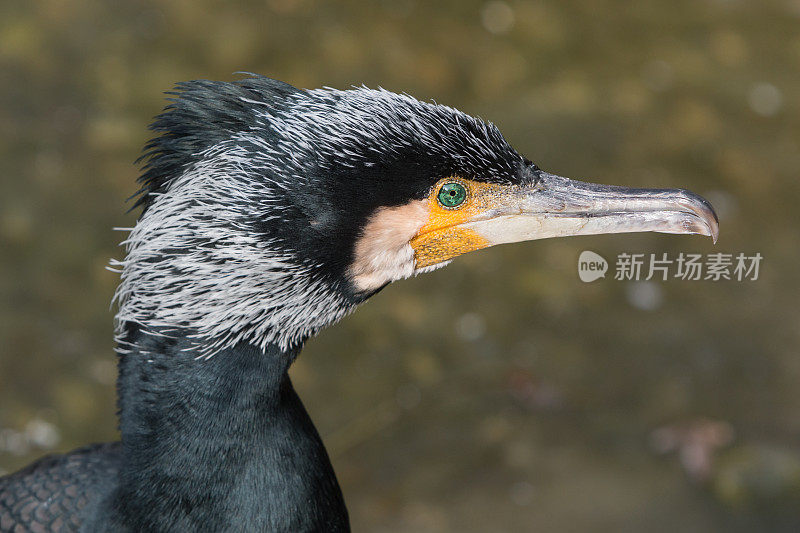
(58, 492)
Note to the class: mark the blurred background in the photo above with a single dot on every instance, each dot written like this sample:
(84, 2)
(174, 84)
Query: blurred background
(501, 393)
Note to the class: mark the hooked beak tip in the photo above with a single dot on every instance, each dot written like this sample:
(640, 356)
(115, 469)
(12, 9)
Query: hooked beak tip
(702, 210)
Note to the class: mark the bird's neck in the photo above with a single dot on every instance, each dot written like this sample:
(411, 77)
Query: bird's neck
(217, 444)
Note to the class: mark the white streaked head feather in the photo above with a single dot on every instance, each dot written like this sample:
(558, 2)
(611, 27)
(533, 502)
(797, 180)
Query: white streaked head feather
(192, 264)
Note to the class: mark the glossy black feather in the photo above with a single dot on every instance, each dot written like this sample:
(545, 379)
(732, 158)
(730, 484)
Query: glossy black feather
(55, 493)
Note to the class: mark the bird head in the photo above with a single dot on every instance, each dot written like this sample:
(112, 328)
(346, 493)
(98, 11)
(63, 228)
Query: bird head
(269, 212)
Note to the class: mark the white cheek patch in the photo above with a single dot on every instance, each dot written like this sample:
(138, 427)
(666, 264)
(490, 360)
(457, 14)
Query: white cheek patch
(382, 252)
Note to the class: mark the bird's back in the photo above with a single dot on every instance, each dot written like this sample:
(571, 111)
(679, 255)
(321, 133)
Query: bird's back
(58, 492)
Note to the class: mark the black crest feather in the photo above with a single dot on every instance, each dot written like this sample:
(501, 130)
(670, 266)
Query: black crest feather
(201, 113)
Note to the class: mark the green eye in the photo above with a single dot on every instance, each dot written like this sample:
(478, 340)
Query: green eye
(452, 195)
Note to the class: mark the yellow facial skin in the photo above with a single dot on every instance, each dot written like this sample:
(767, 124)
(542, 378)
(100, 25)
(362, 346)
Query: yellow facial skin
(442, 238)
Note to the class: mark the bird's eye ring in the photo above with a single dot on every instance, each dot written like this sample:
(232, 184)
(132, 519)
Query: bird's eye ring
(452, 195)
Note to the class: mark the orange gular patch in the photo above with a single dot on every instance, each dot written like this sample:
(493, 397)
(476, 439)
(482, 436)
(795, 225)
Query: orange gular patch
(441, 238)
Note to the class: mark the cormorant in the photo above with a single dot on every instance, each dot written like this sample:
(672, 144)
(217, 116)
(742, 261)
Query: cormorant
(268, 213)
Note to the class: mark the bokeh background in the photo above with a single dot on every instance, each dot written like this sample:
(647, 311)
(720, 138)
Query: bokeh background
(501, 393)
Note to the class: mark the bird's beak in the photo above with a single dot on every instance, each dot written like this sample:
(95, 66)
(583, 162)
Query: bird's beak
(553, 206)
(560, 207)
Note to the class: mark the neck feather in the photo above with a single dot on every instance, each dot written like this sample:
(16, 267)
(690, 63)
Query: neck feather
(217, 444)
